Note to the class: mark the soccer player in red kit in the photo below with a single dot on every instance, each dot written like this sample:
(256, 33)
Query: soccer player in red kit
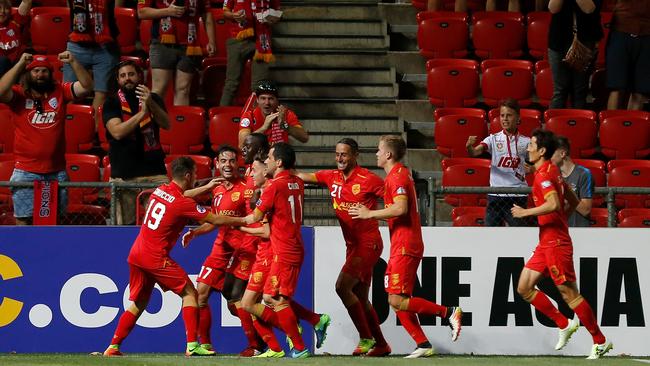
(553, 255)
(349, 185)
(282, 201)
(406, 246)
(168, 211)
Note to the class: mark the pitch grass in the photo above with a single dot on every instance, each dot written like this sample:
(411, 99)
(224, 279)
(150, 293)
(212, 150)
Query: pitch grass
(149, 359)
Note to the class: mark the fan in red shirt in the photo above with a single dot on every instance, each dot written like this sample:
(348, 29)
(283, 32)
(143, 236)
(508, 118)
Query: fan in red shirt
(12, 38)
(39, 105)
(554, 254)
(271, 118)
(406, 246)
(168, 211)
(350, 185)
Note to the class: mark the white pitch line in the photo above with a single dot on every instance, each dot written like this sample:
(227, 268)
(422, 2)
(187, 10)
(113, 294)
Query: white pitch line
(644, 361)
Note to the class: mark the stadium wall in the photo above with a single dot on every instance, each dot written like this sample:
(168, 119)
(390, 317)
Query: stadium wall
(478, 268)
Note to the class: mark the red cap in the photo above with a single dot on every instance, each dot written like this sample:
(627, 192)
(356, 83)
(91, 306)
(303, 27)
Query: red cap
(40, 61)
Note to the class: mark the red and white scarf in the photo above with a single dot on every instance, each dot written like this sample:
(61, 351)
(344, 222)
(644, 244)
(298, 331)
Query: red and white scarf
(168, 26)
(90, 22)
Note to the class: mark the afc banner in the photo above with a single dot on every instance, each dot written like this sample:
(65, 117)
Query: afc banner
(66, 287)
(478, 269)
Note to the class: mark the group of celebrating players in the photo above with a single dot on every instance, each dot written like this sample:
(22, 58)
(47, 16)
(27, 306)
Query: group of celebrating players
(258, 252)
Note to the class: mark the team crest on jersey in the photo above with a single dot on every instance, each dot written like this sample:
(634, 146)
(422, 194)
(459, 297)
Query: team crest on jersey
(200, 209)
(243, 266)
(53, 103)
(235, 196)
(394, 279)
(401, 190)
(356, 189)
(11, 33)
(499, 146)
(546, 184)
(245, 122)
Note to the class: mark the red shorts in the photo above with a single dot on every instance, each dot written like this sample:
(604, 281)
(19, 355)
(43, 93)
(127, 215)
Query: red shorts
(556, 261)
(282, 279)
(259, 274)
(226, 259)
(401, 274)
(360, 260)
(170, 277)
(241, 264)
(213, 277)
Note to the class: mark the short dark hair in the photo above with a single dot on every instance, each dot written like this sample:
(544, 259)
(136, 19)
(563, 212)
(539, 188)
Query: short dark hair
(396, 145)
(354, 146)
(286, 153)
(510, 103)
(227, 148)
(563, 143)
(545, 139)
(262, 140)
(266, 87)
(182, 166)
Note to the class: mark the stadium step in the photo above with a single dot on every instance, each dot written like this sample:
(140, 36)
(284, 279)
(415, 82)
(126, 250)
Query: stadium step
(353, 126)
(325, 10)
(338, 91)
(330, 27)
(307, 75)
(349, 59)
(331, 42)
(308, 108)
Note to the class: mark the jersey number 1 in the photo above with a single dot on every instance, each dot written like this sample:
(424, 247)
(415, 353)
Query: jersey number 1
(154, 215)
(292, 203)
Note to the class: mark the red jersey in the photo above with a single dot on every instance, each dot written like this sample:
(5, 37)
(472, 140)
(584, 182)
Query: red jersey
(250, 240)
(362, 186)
(229, 201)
(254, 120)
(405, 230)
(39, 143)
(282, 200)
(12, 40)
(553, 227)
(168, 211)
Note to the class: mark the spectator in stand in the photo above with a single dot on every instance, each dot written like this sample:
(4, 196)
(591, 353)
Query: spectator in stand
(12, 38)
(133, 117)
(93, 42)
(39, 106)
(175, 43)
(507, 169)
(249, 38)
(579, 178)
(567, 14)
(271, 118)
(628, 54)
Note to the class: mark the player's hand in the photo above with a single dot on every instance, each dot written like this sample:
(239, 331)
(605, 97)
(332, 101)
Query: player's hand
(66, 57)
(215, 182)
(187, 237)
(518, 212)
(471, 141)
(26, 58)
(250, 219)
(175, 11)
(359, 211)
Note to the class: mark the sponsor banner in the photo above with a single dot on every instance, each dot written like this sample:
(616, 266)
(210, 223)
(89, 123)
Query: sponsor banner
(478, 268)
(67, 286)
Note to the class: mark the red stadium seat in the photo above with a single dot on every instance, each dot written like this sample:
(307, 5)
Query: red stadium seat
(82, 168)
(623, 113)
(50, 31)
(58, 67)
(145, 33)
(224, 126)
(468, 112)
(106, 172)
(598, 217)
(498, 34)
(37, 10)
(464, 79)
(467, 210)
(203, 164)
(449, 5)
(597, 169)
(469, 219)
(606, 21)
(543, 82)
(222, 29)
(473, 175)
(635, 221)
(630, 176)
(537, 33)
(571, 113)
(507, 79)
(187, 132)
(442, 34)
(581, 132)
(625, 137)
(632, 212)
(529, 120)
(6, 170)
(212, 81)
(79, 128)
(613, 164)
(127, 22)
(446, 163)
(7, 130)
(101, 130)
(451, 134)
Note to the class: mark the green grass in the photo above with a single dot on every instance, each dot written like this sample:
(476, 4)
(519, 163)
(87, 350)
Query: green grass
(179, 360)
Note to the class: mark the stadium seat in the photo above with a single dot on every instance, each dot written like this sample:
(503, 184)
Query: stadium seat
(467, 112)
(6, 170)
(630, 176)
(203, 164)
(49, 30)
(212, 81)
(625, 137)
(7, 130)
(446, 163)
(106, 171)
(127, 22)
(145, 33)
(571, 113)
(598, 175)
(606, 21)
(465, 210)
(635, 221)
(507, 79)
(537, 33)
(224, 126)
(187, 131)
(598, 217)
(543, 83)
(466, 175)
(449, 5)
(222, 32)
(58, 67)
(498, 34)
(79, 128)
(464, 79)
(82, 168)
(470, 219)
(442, 34)
(529, 120)
(623, 113)
(632, 212)
(141, 199)
(38, 10)
(451, 134)
(101, 130)
(7, 215)
(582, 133)
(613, 164)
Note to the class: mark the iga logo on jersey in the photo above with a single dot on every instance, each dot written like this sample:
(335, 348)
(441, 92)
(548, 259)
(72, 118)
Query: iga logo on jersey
(43, 120)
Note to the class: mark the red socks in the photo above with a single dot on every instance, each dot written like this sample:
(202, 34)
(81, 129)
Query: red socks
(425, 307)
(541, 302)
(588, 319)
(289, 324)
(373, 324)
(358, 316)
(124, 326)
(205, 323)
(304, 313)
(411, 323)
(191, 319)
(266, 332)
(249, 328)
(270, 317)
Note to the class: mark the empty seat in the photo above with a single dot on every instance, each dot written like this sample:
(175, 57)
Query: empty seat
(633, 212)
(213, 78)
(598, 217)
(127, 22)
(635, 221)
(623, 113)
(466, 175)
(543, 82)
(582, 133)
(625, 137)
(630, 176)
(465, 210)
(7, 130)
(469, 219)
(612, 164)
(451, 134)
(187, 131)
(537, 33)
(446, 163)
(442, 34)
(79, 128)
(529, 120)
(468, 112)
(203, 164)
(101, 130)
(498, 34)
(49, 30)
(222, 29)
(464, 79)
(82, 168)
(224, 126)
(507, 79)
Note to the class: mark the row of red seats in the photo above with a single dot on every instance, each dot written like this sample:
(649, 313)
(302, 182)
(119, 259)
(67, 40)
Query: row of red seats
(627, 217)
(615, 134)
(495, 34)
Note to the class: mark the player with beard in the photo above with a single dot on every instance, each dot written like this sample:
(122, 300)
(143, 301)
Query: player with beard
(350, 184)
(39, 104)
(133, 117)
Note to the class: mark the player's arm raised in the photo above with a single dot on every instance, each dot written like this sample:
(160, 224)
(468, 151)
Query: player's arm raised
(551, 204)
(224, 220)
(307, 177)
(399, 207)
(194, 192)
